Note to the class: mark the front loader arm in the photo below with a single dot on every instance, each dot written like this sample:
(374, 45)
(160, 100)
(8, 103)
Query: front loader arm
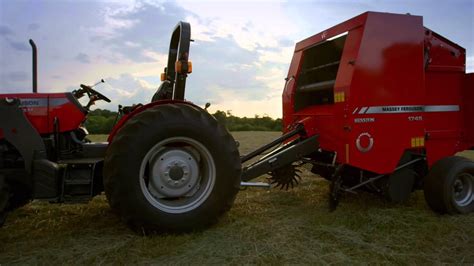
(19, 132)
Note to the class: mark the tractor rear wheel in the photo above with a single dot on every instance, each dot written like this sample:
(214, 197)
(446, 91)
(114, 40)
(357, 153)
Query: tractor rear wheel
(13, 194)
(172, 168)
(4, 196)
(449, 186)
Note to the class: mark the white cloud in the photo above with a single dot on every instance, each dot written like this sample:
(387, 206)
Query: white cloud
(251, 24)
(229, 99)
(114, 19)
(126, 90)
(132, 44)
(273, 78)
(257, 27)
(282, 55)
(124, 79)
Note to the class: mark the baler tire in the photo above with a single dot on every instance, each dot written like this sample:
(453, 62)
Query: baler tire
(439, 185)
(129, 149)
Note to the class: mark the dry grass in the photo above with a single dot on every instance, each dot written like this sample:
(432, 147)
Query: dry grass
(263, 227)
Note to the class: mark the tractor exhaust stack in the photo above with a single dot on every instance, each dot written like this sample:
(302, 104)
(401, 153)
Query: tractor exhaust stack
(35, 66)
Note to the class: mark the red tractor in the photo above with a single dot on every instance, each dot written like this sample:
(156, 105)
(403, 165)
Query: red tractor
(378, 103)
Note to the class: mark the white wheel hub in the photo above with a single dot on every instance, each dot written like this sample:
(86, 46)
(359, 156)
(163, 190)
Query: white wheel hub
(174, 173)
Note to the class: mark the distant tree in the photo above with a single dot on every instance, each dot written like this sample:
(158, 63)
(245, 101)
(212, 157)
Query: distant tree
(257, 123)
(220, 116)
(101, 121)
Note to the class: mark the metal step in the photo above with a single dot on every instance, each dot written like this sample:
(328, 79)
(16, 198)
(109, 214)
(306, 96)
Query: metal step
(78, 179)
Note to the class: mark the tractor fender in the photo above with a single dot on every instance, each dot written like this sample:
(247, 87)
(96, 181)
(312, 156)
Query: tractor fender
(140, 109)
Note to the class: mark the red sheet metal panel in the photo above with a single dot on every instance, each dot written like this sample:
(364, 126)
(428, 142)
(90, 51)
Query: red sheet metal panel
(42, 108)
(468, 97)
(401, 87)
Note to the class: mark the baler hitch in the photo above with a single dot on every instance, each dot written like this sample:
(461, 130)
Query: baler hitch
(281, 157)
(298, 130)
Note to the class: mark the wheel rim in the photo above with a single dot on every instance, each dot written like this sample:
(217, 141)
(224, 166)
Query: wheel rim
(177, 174)
(463, 188)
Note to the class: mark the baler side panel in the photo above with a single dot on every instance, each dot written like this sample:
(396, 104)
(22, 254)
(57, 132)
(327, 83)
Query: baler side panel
(348, 59)
(326, 120)
(468, 96)
(330, 121)
(443, 129)
(333, 31)
(388, 72)
(289, 90)
(444, 81)
(343, 83)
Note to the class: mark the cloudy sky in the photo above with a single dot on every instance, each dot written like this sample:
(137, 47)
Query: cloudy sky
(240, 56)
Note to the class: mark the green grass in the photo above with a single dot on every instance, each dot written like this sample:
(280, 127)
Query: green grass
(98, 137)
(263, 227)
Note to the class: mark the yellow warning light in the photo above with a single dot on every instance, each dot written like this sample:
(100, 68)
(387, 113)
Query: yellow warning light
(417, 142)
(163, 76)
(178, 66)
(339, 97)
(190, 67)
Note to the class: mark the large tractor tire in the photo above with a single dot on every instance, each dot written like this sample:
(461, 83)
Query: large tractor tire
(172, 167)
(13, 195)
(4, 196)
(20, 193)
(449, 186)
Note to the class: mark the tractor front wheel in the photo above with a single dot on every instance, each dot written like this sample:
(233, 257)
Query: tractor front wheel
(172, 168)
(449, 186)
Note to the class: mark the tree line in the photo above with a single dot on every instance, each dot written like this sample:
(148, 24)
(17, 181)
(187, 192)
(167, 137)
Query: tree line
(100, 121)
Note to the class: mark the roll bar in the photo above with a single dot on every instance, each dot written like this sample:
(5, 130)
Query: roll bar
(179, 51)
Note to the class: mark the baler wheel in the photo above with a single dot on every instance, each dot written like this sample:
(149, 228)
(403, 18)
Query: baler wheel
(449, 186)
(172, 167)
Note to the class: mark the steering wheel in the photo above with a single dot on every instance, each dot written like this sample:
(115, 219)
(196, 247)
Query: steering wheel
(91, 92)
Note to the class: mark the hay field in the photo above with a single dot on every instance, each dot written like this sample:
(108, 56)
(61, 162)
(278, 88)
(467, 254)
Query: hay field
(263, 227)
